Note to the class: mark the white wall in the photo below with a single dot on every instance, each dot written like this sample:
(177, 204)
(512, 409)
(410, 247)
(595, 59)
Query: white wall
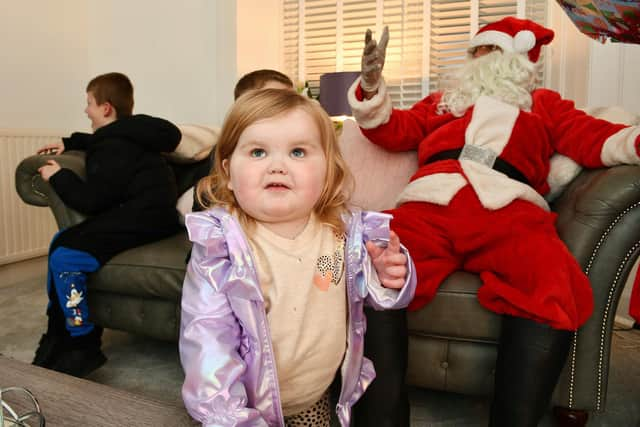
(567, 58)
(614, 75)
(44, 65)
(181, 57)
(258, 35)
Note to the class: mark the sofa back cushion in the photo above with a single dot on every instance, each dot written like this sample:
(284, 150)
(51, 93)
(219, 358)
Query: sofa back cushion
(379, 175)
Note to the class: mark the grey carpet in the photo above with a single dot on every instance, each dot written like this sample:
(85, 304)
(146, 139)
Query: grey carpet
(152, 368)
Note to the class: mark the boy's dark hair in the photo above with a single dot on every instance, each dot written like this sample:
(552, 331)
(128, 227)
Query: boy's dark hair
(257, 79)
(114, 88)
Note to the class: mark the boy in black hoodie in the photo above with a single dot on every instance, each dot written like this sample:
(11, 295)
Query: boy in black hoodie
(129, 195)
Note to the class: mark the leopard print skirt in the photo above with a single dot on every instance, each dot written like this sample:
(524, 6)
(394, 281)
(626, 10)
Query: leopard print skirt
(318, 415)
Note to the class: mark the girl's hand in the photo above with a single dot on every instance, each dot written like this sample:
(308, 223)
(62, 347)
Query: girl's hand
(49, 169)
(53, 148)
(389, 262)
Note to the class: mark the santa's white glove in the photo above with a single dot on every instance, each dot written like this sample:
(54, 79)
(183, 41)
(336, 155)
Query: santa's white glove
(373, 60)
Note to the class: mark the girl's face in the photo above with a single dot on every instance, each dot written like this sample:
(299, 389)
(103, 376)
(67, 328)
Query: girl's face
(278, 170)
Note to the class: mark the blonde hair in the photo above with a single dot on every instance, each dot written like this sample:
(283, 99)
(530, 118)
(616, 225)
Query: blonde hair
(266, 104)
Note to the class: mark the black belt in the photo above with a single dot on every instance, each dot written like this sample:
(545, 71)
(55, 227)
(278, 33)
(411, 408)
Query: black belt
(500, 165)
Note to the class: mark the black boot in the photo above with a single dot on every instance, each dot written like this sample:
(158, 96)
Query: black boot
(51, 342)
(386, 402)
(80, 355)
(47, 350)
(530, 359)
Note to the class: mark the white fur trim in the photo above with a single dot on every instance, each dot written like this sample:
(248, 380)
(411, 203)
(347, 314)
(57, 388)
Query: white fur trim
(524, 41)
(370, 113)
(620, 148)
(496, 190)
(438, 188)
(562, 170)
(497, 38)
(491, 124)
(490, 127)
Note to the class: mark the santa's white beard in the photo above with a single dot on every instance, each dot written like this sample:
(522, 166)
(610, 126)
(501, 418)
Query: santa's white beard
(509, 77)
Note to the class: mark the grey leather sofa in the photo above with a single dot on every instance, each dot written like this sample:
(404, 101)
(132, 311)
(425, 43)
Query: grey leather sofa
(453, 339)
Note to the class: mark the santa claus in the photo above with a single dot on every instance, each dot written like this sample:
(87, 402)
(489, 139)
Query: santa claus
(476, 202)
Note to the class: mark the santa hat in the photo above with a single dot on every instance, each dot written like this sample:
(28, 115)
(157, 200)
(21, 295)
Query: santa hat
(514, 35)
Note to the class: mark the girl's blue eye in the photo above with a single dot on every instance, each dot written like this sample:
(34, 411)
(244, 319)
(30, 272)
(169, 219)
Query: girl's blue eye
(258, 152)
(297, 152)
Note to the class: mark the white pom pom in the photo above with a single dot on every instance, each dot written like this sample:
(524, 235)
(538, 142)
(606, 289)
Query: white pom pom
(523, 41)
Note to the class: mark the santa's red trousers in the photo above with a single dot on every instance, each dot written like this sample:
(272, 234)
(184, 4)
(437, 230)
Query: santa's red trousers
(634, 304)
(526, 270)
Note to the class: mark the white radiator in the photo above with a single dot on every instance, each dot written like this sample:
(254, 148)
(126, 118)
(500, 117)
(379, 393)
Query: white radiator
(25, 230)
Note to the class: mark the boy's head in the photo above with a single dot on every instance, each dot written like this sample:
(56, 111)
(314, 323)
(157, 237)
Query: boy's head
(269, 104)
(262, 79)
(109, 97)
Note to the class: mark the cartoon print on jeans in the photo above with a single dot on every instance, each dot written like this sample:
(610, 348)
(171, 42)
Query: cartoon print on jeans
(73, 300)
(329, 269)
(77, 317)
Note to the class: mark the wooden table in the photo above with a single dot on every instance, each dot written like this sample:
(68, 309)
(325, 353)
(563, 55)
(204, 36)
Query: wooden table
(70, 401)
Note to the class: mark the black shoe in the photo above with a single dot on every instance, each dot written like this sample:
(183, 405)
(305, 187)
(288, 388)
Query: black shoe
(79, 362)
(48, 349)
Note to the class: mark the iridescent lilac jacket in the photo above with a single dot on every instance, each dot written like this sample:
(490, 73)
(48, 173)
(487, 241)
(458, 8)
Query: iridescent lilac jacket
(225, 344)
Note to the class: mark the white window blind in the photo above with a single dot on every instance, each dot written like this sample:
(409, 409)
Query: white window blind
(428, 39)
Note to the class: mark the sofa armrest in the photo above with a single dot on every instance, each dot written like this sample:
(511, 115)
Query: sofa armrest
(33, 190)
(599, 220)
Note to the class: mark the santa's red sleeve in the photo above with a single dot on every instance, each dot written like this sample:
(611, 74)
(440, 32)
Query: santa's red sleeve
(391, 128)
(589, 141)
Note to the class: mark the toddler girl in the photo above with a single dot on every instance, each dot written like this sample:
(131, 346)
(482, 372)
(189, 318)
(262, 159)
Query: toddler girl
(272, 303)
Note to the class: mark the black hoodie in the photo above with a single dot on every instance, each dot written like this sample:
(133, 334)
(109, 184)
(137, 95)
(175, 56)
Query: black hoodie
(129, 191)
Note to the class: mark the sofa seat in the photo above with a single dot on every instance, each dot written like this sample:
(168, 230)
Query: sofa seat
(156, 269)
(452, 340)
(121, 291)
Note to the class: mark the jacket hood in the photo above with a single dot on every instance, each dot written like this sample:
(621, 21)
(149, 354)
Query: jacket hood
(151, 133)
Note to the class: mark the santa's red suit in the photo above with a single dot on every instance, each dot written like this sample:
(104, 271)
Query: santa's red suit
(460, 213)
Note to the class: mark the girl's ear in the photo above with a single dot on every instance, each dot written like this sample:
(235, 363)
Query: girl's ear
(225, 168)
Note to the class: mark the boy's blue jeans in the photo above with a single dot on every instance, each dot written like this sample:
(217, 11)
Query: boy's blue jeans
(67, 276)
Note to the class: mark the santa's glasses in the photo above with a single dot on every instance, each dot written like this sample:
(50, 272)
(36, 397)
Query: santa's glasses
(482, 50)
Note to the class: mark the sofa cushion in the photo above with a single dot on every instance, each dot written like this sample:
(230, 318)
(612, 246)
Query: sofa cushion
(155, 318)
(457, 366)
(196, 143)
(153, 270)
(380, 175)
(456, 313)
